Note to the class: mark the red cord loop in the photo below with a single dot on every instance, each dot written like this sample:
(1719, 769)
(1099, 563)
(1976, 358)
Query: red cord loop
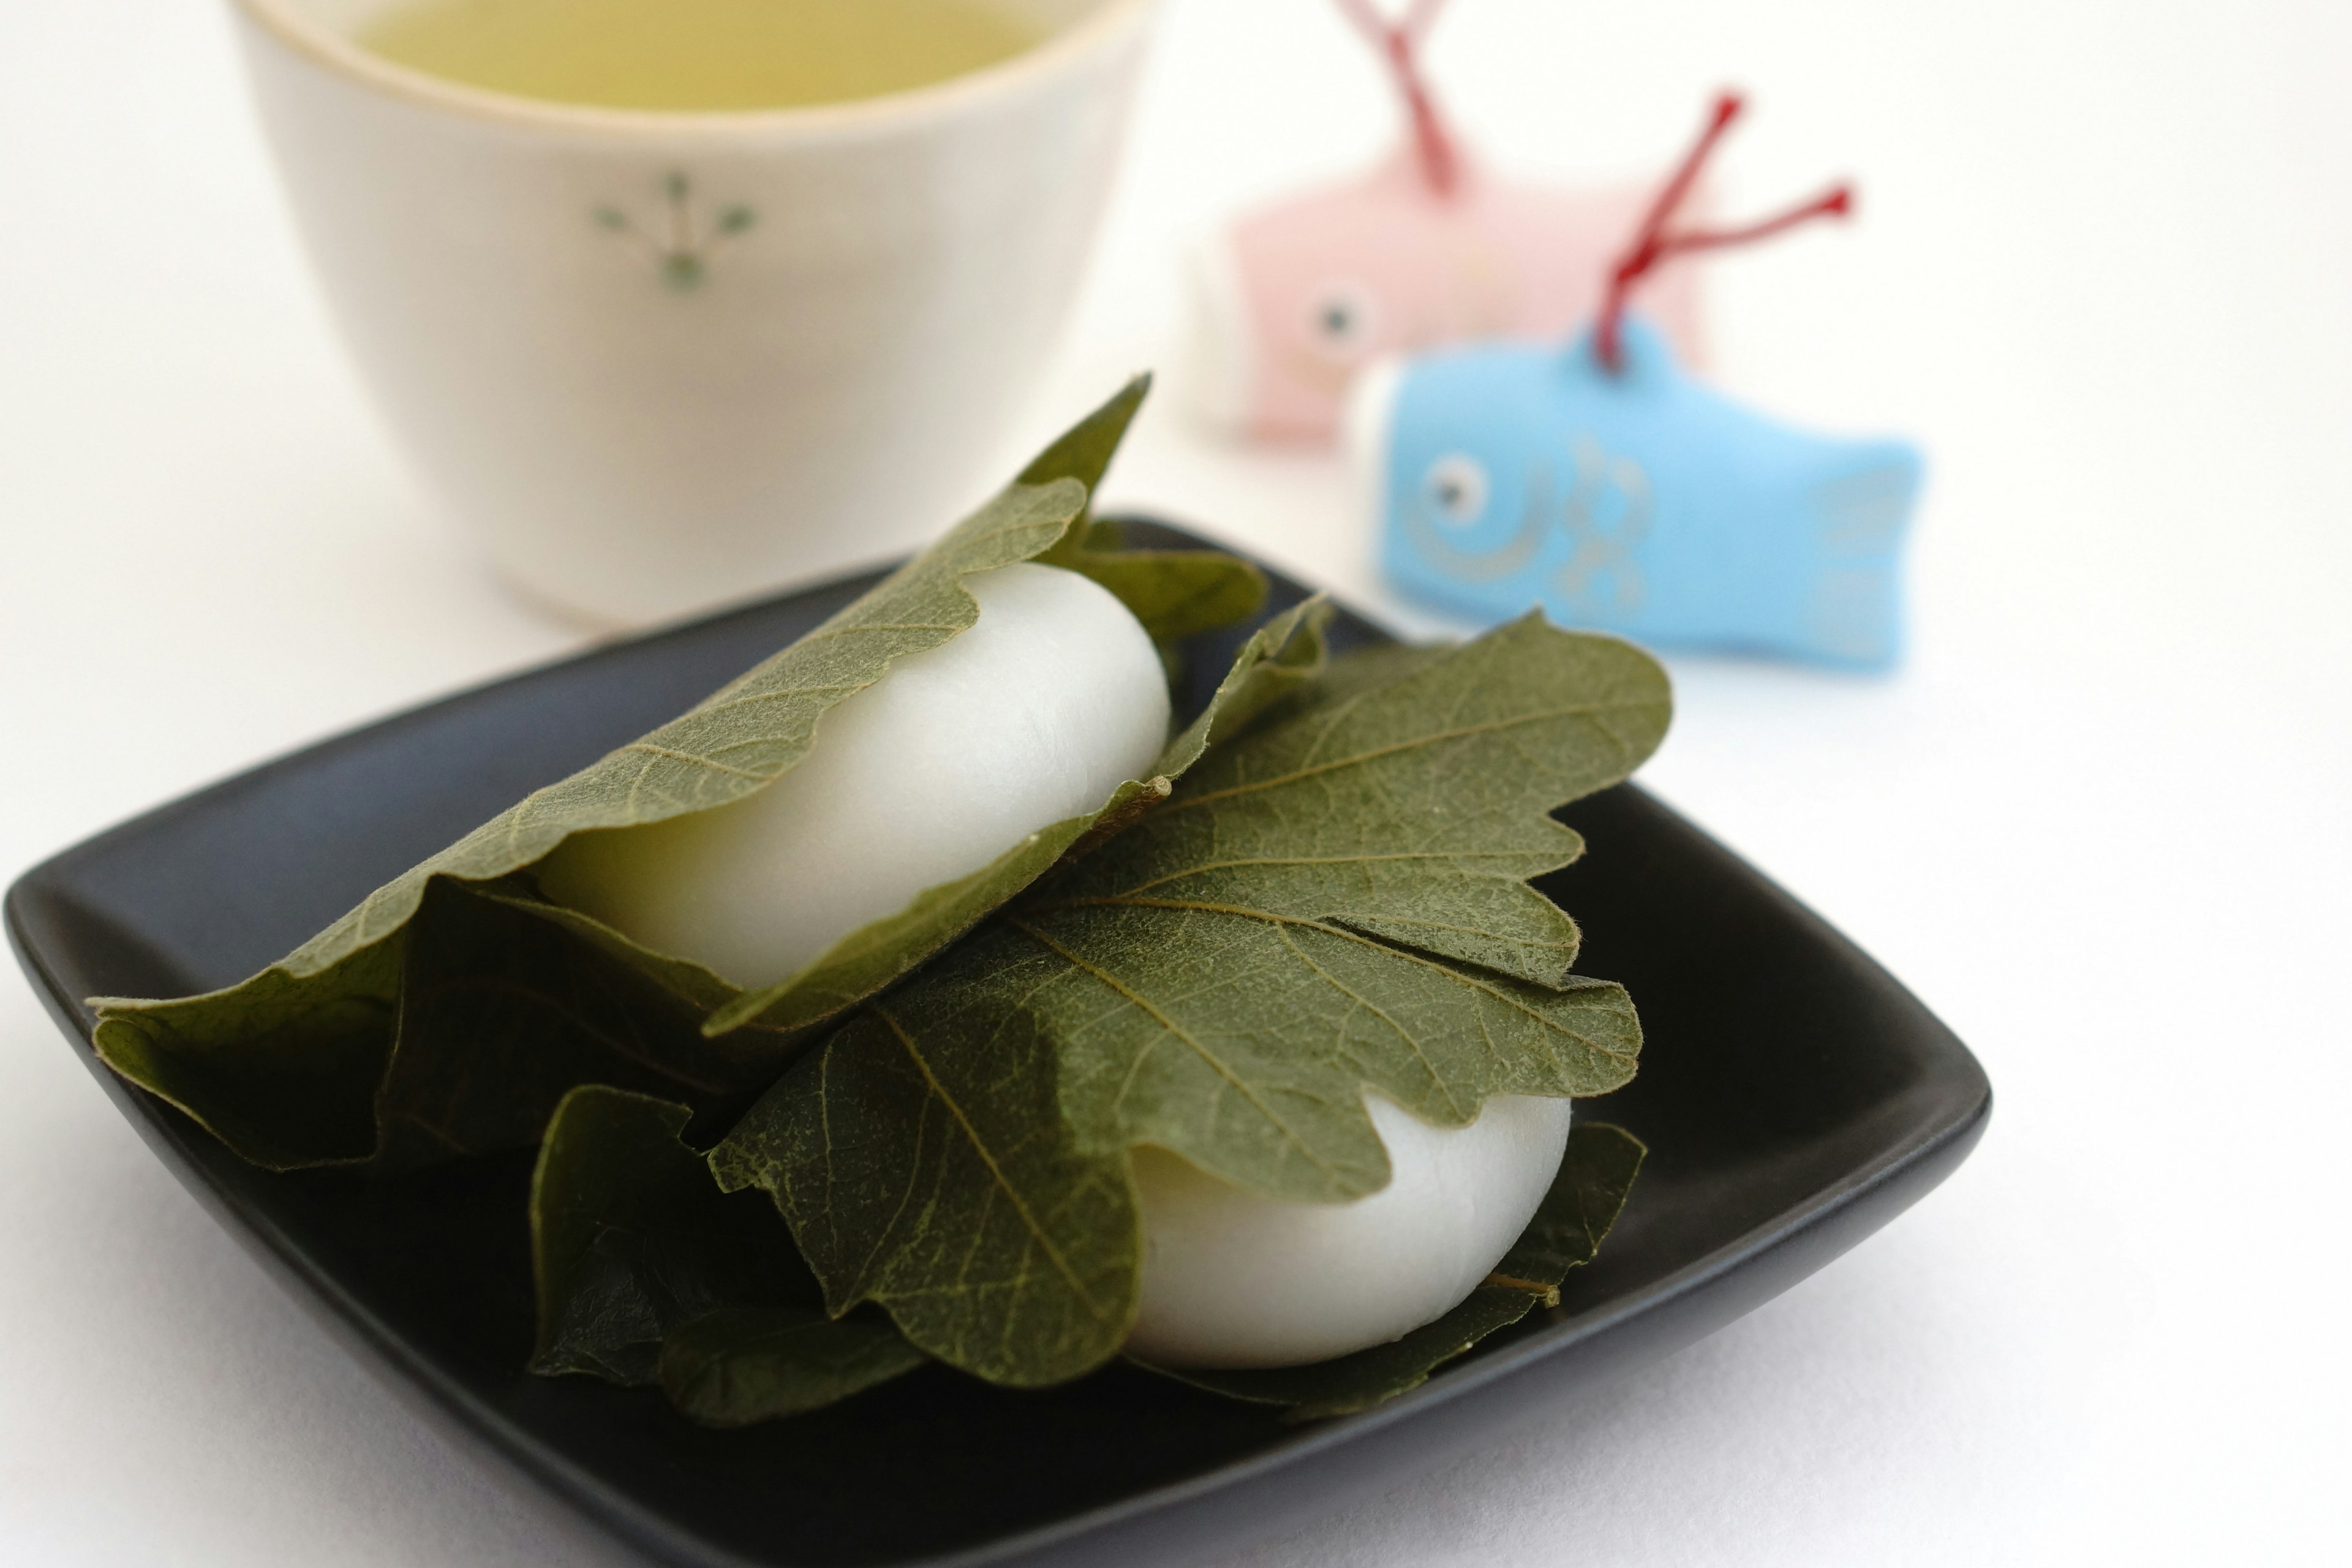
(1653, 247)
(1399, 44)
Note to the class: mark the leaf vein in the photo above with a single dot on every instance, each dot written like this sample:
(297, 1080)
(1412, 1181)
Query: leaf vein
(987, 1158)
(1412, 744)
(1172, 1029)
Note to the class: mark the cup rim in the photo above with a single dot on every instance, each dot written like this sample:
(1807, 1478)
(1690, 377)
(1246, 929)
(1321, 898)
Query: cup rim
(1098, 28)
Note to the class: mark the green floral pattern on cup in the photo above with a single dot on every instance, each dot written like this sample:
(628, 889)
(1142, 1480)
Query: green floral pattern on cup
(679, 246)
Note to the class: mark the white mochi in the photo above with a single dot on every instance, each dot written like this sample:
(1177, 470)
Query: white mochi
(1234, 1280)
(1031, 716)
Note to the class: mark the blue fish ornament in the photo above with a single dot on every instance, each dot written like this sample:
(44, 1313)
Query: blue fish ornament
(1608, 487)
(1643, 503)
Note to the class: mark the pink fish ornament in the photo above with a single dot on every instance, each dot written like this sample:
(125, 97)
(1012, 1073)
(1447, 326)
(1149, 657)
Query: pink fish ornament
(1425, 249)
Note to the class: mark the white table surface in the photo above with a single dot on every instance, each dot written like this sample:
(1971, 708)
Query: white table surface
(2098, 822)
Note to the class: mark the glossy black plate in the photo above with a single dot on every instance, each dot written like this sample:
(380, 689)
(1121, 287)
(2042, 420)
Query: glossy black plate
(1794, 1097)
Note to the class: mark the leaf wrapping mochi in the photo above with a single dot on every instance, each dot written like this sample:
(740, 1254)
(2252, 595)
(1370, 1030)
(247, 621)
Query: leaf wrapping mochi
(369, 1041)
(1335, 900)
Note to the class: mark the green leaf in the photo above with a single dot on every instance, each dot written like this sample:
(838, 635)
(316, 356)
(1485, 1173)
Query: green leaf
(1176, 593)
(932, 1177)
(288, 1067)
(1333, 900)
(1584, 1201)
(283, 1069)
(502, 1014)
(744, 1364)
(630, 1238)
(648, 1273)
(1083, 451)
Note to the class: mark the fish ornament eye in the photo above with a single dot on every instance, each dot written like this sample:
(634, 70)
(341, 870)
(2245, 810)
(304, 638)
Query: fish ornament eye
(1455, 488)
(1342, 320)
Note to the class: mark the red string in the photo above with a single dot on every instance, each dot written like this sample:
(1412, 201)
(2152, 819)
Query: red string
(1653, 247)
(1400, 44)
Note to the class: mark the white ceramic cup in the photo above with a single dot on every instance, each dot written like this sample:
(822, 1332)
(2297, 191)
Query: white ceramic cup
(660, 361)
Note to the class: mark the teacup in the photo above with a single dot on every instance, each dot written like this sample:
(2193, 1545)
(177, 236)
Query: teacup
(661, 361)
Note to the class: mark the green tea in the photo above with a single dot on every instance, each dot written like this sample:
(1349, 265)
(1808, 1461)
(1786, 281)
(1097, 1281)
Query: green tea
(695, 54)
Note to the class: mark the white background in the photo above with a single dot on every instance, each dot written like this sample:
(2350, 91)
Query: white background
(2098, 821)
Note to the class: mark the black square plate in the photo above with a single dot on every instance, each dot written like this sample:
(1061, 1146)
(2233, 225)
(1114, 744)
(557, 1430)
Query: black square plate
(1793, 1096)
